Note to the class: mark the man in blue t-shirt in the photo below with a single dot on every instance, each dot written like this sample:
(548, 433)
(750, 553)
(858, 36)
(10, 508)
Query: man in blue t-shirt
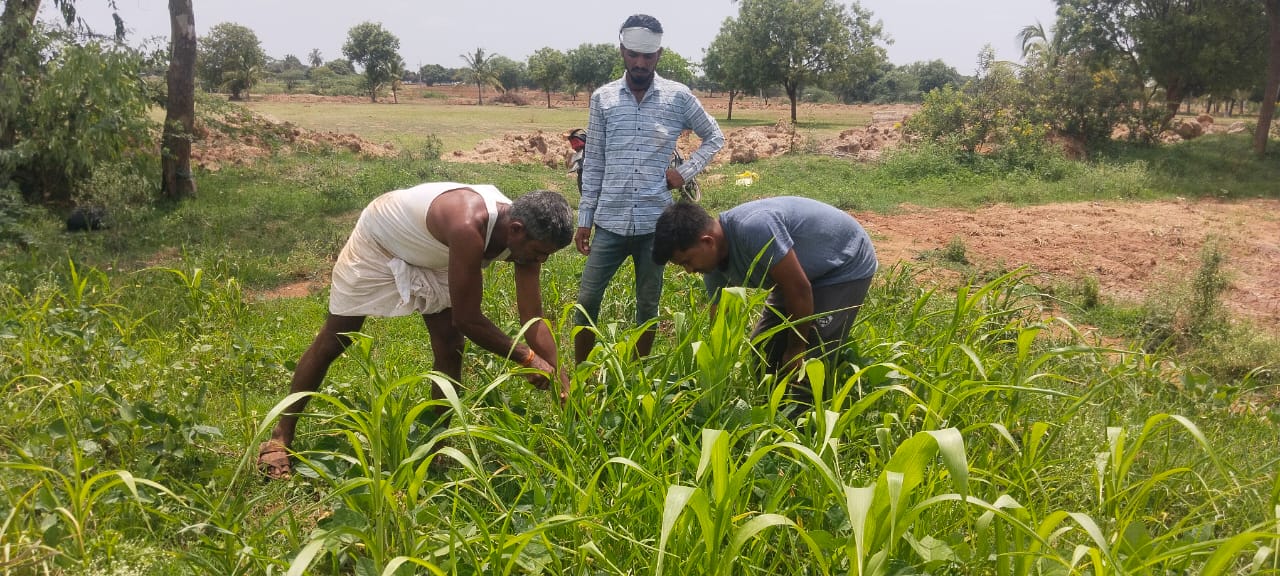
(817, 258)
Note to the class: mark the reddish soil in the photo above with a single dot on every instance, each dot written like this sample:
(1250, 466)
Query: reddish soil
(1134, 249)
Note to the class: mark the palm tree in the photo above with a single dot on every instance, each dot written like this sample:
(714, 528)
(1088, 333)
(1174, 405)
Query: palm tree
(240, 80)
(480, 71)
(1040, 43)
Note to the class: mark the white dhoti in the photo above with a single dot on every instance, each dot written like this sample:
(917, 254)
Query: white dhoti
(368, 281)
(372, 276)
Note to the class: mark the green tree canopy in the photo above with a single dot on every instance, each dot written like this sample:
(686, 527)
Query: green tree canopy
(432, 74)
(911, 82)
(731, 64)
(935, 74)
(85, 105)
(1186, 47)
(230, 58)
(511, 75)
(340, 67)
(376, 50)
(673, 66)
(591, 65)
(799, 42)
(548, 69)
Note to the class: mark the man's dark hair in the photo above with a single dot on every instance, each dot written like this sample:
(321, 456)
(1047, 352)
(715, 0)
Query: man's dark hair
(679, 228)
(642, 21)
(546, 217)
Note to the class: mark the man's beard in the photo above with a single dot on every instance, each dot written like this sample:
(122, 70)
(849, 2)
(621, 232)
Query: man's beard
(639, 82)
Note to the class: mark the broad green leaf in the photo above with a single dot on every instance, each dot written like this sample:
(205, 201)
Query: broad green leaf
(303, 560)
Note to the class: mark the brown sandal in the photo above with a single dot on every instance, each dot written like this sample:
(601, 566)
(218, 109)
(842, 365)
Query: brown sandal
(273, 460)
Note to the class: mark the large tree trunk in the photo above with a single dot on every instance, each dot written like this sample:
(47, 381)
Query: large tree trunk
(180, 110)
(1173, 97)
(1263, 132)
(731, 95)
(793, 92)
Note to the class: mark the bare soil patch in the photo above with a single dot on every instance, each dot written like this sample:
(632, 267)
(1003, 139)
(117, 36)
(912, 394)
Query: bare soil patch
(742, 145)
(1134, 249)
(242, 137)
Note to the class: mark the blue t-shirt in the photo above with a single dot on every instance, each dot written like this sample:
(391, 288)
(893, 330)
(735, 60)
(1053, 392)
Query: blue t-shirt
(831, 245)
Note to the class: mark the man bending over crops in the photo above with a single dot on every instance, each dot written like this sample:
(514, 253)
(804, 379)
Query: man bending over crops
(422, 250)
(816, 257)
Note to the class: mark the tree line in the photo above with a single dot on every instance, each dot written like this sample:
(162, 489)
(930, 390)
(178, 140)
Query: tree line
(73, 99)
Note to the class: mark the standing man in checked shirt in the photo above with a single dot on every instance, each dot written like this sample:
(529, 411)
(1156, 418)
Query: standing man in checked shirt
(626, 179)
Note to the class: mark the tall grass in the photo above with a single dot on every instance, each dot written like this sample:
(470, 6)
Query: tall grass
(967, 430)
(953, 435)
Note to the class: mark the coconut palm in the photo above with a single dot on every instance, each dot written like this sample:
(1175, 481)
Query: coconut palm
(481, 72)
(1040, 44)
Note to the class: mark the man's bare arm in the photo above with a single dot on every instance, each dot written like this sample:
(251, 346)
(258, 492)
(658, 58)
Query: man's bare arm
(462, 220)
(528, 278)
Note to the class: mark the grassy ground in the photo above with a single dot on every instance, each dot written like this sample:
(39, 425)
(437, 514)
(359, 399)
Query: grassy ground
(460, 126)
(142, 352)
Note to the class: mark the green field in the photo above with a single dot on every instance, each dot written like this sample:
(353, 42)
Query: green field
(422, 112)
(970, 429)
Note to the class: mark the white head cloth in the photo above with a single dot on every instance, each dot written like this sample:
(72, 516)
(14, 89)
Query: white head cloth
(641, 39)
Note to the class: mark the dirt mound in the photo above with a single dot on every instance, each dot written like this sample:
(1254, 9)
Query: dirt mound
(238, 137)
(551, 150)
(747, 145)
(1134, 249)
(864, 144)
(742, 146)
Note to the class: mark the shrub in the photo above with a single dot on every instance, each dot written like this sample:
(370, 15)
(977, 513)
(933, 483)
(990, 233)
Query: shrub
(956, 251)
(1089, 291)
(1079, 102)
(511, 97)
(1189, 313)
(86, 105)
(818, 96)
(14, 213)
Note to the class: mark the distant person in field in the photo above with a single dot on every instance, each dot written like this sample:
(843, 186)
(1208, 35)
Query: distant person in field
(578, 142)
(627, 176)
(422, 250)
(816, 258)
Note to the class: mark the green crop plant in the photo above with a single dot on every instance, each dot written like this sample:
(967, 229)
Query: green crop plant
(65, 506)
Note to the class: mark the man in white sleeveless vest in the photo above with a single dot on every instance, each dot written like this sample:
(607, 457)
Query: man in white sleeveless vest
(422, 250)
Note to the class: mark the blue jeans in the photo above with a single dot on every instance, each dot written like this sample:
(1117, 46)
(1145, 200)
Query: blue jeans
(608, 252)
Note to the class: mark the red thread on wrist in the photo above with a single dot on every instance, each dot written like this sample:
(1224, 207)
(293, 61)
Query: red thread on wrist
(527, 361)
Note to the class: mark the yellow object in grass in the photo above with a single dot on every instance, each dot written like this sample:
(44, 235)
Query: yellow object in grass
(746, 178)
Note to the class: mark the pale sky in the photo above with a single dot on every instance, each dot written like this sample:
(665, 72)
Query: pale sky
(433, 32)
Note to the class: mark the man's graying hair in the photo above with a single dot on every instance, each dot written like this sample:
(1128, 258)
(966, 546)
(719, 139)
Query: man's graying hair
(642, 21)
(546, 217)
